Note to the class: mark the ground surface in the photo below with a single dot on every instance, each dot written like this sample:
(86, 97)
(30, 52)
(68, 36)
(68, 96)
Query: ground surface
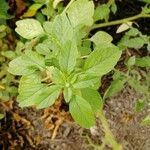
(25, 129)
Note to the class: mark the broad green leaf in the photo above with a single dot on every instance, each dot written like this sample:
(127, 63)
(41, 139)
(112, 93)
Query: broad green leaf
(32, 92)
(68, 56)
(30, 88)
(93, 98)
(101, 37)
(48, 96)
(116, 86)
(62, 30)
(67, 94)
(29, 28)
(81, 112)
(140, 105)
(81, 12)
(3, 10)
(85, 80)
(102, 12)
(26, 64)
(146, 120)
(143, 62)
(1, 116)
(136, 42)
(102, 60)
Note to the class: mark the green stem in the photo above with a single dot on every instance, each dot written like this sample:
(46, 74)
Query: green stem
(109, 138)
(125, 20)
(68, 6)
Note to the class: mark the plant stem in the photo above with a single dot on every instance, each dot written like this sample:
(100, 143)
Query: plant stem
(69, 4)
(125, 20)
(109, 138)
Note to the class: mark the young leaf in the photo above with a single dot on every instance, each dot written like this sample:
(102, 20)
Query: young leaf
(29, 28)
(68, 56)
(101, 37)
(102, 12)
(136, 42)
(143, 62)
(81, 12)
(26, 64)
(114, 7)
(67, 94)
(82, 112)
(102, 60)
(93, 98)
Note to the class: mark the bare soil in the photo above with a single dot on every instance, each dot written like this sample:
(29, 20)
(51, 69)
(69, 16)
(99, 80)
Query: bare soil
(26, 129)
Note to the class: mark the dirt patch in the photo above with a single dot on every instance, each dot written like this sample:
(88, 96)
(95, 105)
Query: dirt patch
(24, 128)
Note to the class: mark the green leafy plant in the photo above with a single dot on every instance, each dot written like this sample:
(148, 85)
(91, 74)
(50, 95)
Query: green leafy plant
(53, 62)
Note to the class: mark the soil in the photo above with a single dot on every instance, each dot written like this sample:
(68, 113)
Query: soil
(25, 129)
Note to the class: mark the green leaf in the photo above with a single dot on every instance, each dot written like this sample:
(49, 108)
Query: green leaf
(101, 37)
(67, 94)
(131, 61)
(81, 12)
(1, 116)
(143, 62)
(85, 80)
(146, 1)
(58, 77)
(43, 49)
(3, 10)
(68, 56)
(27, 64)
(116, 86)
(93, 98)
(55, 3)
(140, 105)
(102, 12)
(29, 28)
(48, 96)
(114, 8)
(136, 42)
(62, 30)
(146, 120)
(32, 92)
(102, 60)
(82, 112)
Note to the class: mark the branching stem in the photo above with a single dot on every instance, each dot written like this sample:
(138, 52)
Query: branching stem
(116, 22)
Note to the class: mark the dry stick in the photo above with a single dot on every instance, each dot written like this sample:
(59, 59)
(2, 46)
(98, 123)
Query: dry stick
(125, 20)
